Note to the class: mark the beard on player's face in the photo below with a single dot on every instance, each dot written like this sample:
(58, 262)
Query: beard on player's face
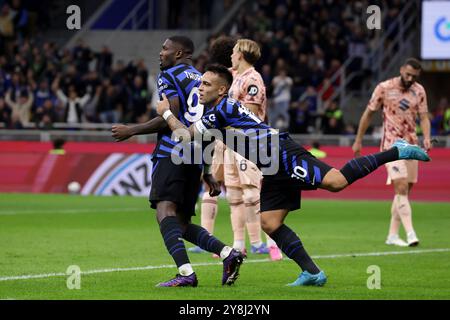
(166, 61)
(406, 84)
(408, 76)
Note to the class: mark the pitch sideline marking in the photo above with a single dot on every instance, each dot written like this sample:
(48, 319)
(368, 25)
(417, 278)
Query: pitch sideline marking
(166, 266)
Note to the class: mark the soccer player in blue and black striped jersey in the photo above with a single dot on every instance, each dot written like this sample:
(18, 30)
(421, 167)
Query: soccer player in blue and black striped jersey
(175, 187)
(295, 168)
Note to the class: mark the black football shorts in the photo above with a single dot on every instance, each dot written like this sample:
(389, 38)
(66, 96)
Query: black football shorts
(176, 183)
(298, 170)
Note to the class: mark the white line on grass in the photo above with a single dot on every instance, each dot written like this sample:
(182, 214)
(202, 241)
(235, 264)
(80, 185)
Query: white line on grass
(167, 266)
(69, 211)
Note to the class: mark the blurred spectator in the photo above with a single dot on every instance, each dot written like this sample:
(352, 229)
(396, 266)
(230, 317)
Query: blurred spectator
(332, 120)
(6, 29)
(310, 97)
(83, 56)
(104, 61)
(45, 115)
(281, 97)
(21, 109)
(447, 121)
(90, 109)
(73, 104)
(42, 94)
(5, 113)
(21, 18)
(300, 117)
(437, 117)
(139, 100)
(109, 108)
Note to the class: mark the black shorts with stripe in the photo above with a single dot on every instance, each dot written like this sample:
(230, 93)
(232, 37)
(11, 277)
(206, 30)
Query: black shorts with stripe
(298, 170)
(176, 183)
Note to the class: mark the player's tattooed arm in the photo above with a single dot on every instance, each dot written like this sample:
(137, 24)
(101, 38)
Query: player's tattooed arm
(122, 132)
(253, 107)
(213, 184)
(180, 130)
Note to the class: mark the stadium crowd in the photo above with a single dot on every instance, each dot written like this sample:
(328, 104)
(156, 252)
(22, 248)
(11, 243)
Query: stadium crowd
(303, 43)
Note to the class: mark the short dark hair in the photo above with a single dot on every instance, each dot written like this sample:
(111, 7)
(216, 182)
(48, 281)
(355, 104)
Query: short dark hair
(221, 50)
(185, 42)
(413, 63)
(221, 71)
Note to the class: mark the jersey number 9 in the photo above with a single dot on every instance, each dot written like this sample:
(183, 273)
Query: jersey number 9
(195, 108)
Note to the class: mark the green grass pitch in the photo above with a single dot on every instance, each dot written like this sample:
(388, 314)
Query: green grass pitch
(117, 245)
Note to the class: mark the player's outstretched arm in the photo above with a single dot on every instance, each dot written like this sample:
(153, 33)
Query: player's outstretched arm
(121, 132)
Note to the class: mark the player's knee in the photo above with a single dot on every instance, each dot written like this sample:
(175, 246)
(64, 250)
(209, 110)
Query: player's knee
(334, 181)
(401, 188)
(165, 209)
(269, 223)
(234, 195)
(250, 196)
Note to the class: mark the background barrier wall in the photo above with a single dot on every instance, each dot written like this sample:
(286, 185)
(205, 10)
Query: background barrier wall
(125, 169)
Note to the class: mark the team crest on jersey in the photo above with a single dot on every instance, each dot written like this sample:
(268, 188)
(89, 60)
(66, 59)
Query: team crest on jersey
(252, 90)
(161, 85)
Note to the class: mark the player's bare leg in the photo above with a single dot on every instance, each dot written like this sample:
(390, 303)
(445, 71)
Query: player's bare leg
(237, 208)
(252, 203)
(401, 190)
(403, 208)
(208, 211)
(393, 237)
(252, 218)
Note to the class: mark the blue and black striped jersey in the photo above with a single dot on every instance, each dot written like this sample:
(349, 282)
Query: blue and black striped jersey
(242, 131)
(274, 152)
(180, 81)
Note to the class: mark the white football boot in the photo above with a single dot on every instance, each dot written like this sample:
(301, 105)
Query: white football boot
(395, 240)
(413, 241)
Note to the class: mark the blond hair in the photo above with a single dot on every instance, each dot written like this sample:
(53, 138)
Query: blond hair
(250, 49)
